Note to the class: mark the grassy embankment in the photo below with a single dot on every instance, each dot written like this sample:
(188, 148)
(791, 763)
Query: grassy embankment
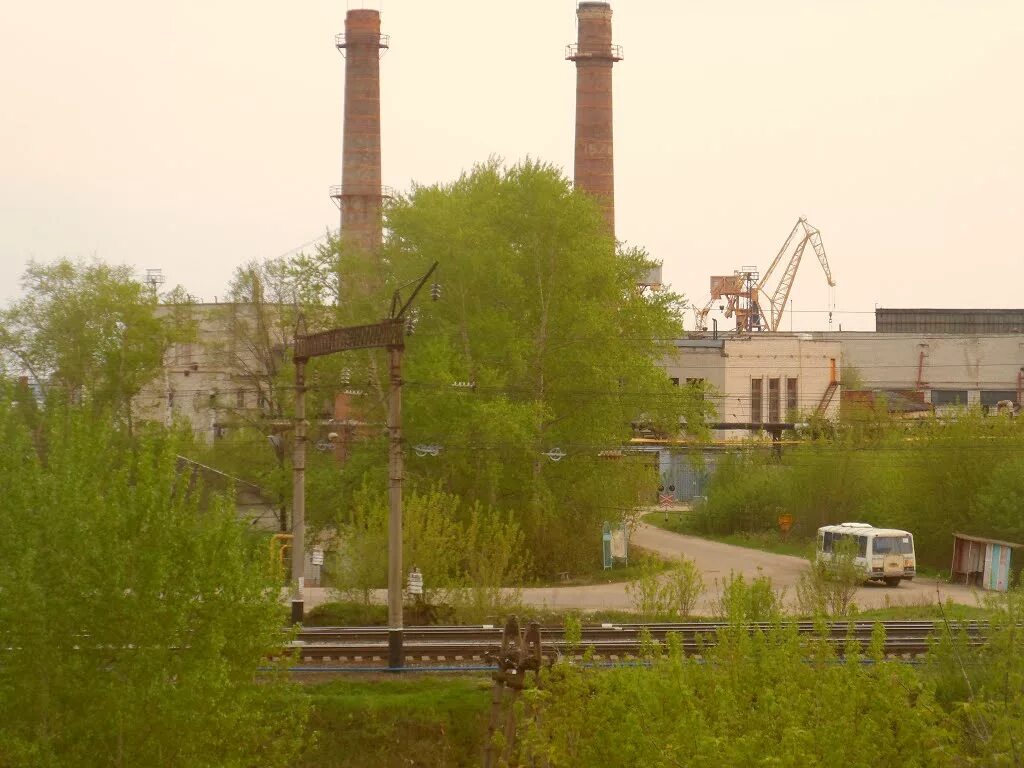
(414, 720)
(681, 522)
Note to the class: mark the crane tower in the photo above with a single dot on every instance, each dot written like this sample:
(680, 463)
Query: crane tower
(745, 291)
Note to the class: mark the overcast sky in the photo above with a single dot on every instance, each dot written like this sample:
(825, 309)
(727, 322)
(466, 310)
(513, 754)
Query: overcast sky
(192, 136)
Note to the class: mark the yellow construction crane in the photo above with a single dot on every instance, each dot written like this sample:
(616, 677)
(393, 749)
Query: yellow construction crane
(744, 290)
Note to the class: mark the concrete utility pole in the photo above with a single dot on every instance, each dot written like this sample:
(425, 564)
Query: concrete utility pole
(396, 657)
(299, 495)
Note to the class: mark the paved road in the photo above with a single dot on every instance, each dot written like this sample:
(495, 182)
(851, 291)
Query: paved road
(716, 561)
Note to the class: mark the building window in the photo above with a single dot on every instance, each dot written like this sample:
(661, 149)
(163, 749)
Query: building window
(791, 399)
(755, 401)
(240, 399)
(950, 396)
(674, 380)
(696, 386)
(990, 398)
(773, 401)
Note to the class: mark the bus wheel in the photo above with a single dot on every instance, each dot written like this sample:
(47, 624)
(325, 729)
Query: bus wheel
(892, 581)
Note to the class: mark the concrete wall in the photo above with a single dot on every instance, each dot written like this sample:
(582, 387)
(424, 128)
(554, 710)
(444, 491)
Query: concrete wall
(729, 365)
(973, 362)
(221, 377)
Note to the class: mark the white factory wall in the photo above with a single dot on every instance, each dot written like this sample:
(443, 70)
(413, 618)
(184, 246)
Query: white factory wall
(981, 365)
(730, 364)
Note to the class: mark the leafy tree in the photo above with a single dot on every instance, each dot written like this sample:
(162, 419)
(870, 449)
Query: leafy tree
(541, 316)
(90, 331)
(133, 625)
(932, 477)
(999, 506)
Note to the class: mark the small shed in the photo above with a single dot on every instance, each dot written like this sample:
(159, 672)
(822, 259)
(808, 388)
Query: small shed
(982, 562)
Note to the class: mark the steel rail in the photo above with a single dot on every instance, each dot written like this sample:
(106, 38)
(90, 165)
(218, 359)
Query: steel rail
(435, 644)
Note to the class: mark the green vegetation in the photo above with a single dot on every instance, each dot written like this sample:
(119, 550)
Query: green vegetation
(773, 698)
(769, 541)
(568, 360)
(668, 596)
(88, 333)
(539, 318)
(467, 556)
(949, 611)
(132, 622)
(410, 721)
(933, 478)
(768, 698)
(640, 563)
(827, 587)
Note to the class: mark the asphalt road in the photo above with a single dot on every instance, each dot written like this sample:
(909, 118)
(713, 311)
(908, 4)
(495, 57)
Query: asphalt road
(717, 561)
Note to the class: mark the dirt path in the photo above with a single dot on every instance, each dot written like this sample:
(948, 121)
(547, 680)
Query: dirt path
(716, 561)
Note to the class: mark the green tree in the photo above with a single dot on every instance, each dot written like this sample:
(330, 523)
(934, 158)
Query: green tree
(541, 316)
(133, 625)
(90, 331)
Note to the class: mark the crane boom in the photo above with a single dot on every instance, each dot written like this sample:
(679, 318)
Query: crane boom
(778, 298)
(745, 292)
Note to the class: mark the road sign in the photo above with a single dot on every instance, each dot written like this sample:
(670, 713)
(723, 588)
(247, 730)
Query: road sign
(666, 499)
(415, 582)
(385, 334)
(317, 557)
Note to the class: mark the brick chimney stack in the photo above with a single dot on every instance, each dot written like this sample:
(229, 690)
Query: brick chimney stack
(594, 55)
(360, 195)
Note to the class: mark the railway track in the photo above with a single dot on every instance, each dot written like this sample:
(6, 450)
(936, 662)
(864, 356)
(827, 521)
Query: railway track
(428, 646)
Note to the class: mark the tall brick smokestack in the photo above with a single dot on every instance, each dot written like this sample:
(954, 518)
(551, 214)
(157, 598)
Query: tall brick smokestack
(360, 194)
(594, 55)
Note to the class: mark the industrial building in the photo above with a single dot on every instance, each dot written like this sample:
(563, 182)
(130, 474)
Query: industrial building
(226, 376)
(948, 369)
(761, 378)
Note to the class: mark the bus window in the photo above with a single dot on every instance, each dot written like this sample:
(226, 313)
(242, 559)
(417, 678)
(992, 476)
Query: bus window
(893, 545)
(827, 546)
(862, 546)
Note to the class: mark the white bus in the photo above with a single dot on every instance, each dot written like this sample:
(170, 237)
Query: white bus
(883, 554)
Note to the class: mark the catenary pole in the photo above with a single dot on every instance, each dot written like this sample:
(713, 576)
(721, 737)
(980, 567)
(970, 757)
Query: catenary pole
(299, 495)
(396, 655)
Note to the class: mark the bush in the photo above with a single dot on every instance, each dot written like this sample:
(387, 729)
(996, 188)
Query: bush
(666, 594)
(472, 559)
(746, 493)
(740, 602)
(827, 588)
